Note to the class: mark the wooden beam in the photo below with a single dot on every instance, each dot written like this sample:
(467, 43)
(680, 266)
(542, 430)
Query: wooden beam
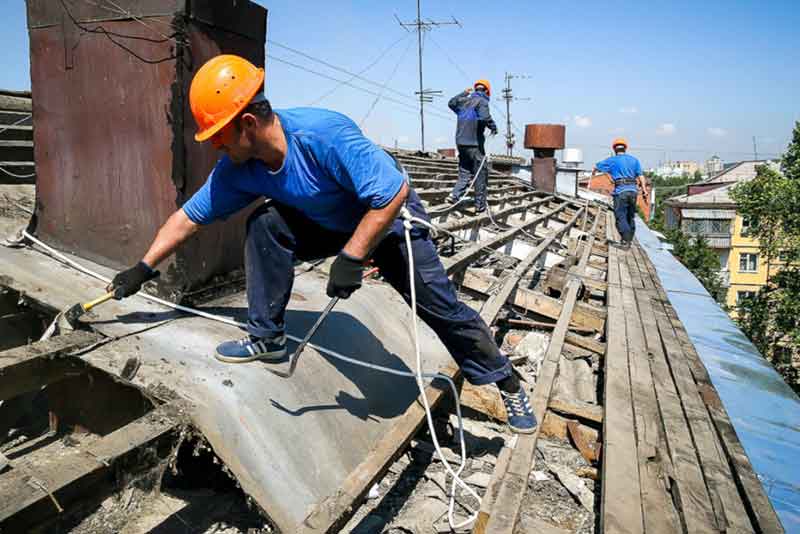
(427, 194)
(498, 300)
(503, 517)
(583, 410)
(468, 222)
(37, 482)
(689, 487)
(660, 515)
(335, 510)
(30, 367)
(621, 505)
(586, 317)
(464, 257)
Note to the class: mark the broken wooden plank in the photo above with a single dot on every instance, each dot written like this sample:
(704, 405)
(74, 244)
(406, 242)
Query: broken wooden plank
(585, 439)
(621, 506)
(490, 496)
(334, 511)
(485, 400)
(468, 222)
(689, 488)
(585, 317)
(30, 367)
(582, 410)
(504, 515)
(498, 300)
(727, 505)
(37, 482)
(463, 257)
(659, 512)
(587, 343)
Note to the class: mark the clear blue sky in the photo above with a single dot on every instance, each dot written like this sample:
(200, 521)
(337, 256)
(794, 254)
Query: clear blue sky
(669, 75)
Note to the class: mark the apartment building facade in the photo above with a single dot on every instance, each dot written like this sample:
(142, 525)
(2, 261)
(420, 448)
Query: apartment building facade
(707, 210)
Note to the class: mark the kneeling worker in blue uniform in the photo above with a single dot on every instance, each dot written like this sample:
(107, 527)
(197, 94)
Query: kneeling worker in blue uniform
(332, 192)
(626, 171)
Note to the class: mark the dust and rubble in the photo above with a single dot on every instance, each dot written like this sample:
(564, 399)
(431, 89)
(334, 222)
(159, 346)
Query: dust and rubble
(413, 496)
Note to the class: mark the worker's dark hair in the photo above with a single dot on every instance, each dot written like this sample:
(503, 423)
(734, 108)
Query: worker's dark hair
(262, 110)
(619, 149)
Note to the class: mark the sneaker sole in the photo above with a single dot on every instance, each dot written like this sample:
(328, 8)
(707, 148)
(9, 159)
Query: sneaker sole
(245, 359)
(522, 430)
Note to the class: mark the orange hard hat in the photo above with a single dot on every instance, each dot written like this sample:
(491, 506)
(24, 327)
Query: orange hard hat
(484, 83)
(619, 141)
(220, 90)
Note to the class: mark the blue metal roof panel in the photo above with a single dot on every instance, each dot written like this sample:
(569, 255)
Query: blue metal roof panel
(763, 409)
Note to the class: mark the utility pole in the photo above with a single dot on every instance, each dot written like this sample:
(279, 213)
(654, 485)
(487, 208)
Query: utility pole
(425, 95)
(755, 149)
(508, 96)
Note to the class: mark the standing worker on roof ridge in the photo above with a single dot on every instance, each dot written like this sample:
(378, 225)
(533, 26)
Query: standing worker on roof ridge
(331, 192)
(626, 172)
(472, 108)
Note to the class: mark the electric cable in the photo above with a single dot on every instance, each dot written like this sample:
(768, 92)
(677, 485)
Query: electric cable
(337, 68)
(389, 79)
(16, 123)
(362, 71)
(368, 91)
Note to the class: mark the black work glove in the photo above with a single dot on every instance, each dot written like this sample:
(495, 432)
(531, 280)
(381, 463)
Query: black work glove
(130, 281)
(345, 276)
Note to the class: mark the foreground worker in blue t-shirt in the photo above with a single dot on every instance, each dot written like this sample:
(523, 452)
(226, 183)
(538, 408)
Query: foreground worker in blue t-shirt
(626, 171)
(331, 192)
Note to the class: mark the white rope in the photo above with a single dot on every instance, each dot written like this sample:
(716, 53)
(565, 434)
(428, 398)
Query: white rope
(455, 474)
(419, 375)
(20, 176)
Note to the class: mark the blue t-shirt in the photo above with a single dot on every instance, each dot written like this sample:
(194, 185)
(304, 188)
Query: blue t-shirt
(331, 173)
(620, 167)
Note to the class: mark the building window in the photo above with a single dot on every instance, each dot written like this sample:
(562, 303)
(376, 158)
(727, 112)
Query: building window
(720, 226)
(748, 263)
(742, 295)
(783, 256)
(749, 225)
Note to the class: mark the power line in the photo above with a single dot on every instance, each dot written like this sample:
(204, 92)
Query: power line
(345, 82)
(389, 79)
(337, 68)
(362, 71)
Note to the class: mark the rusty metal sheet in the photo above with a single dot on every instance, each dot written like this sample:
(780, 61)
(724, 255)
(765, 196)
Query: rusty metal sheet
(549, 136)
(114, 143)
(237, 16)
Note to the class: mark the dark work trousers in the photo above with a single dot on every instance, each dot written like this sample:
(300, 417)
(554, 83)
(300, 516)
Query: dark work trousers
(469, 159)
(625, 214)
(277, 235)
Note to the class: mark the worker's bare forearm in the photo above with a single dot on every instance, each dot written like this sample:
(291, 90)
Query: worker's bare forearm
(374, 225)
(175, 231)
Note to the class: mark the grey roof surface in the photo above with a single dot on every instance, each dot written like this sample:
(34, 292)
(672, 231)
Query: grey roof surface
(290, 442)
(764, 410)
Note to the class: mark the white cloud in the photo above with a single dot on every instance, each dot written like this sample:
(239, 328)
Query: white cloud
(717, 132)
(629, 109)
(582, 122)
(666, 129)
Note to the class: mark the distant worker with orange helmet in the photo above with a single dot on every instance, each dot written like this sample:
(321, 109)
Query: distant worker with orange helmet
(472, 108)
(626, 171)
(331, 192)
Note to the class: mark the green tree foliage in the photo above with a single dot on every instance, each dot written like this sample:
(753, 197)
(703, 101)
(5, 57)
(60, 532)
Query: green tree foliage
(771, 319)
(700, 259)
